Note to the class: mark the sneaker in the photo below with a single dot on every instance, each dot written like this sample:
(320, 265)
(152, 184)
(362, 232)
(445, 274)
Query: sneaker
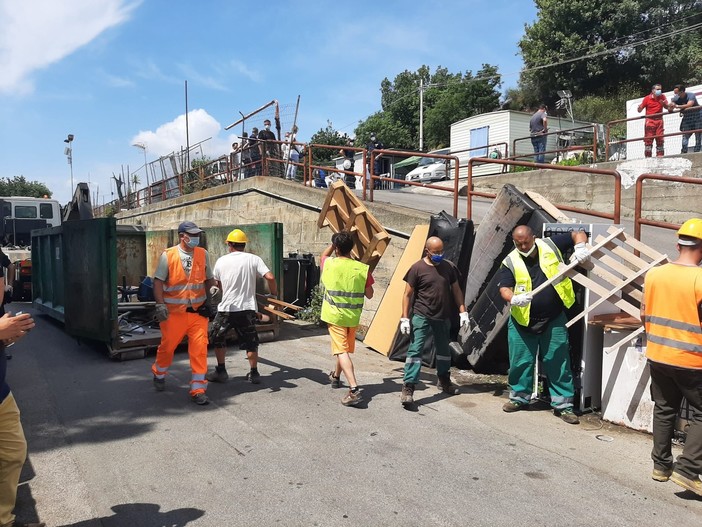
(659, 474)
(445, 385)
(568, 416)
(159, 384)
(407, 394)
(253, 377)
(693, 485)
(513, 406)
(217, 376)
(335, 381)
(199, 398)
(351, 398)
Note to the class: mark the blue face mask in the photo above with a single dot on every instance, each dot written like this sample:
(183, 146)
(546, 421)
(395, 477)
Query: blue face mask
(436, 258)
(193, 242)
(658, 93)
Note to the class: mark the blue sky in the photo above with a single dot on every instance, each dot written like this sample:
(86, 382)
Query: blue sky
(112, 72)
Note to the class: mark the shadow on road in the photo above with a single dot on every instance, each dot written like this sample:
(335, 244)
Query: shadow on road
(142, 515)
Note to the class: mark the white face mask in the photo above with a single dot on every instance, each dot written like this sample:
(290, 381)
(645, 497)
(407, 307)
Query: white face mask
(528, 253)
(268, 127)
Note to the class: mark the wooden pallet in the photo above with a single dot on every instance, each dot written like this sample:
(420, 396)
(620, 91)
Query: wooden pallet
(342, 210)
(614, 261)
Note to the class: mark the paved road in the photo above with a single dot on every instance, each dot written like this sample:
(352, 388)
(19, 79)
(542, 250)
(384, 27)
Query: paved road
(106, 450)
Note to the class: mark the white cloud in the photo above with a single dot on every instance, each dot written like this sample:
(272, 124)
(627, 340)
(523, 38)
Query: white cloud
(37, 33)
(171, 137)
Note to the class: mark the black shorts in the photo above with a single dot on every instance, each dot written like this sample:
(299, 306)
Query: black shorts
(243, 322)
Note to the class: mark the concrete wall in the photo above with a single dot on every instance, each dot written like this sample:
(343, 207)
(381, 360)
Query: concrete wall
(663, 201)
(263, 200)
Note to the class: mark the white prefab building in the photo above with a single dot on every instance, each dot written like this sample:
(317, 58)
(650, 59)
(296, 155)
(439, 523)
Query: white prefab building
(505, 126)
(671, 124)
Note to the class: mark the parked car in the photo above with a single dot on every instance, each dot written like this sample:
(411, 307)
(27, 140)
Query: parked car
(430, 169)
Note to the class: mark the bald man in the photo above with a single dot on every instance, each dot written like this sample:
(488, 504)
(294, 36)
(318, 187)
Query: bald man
(536, 326)
(432, 292)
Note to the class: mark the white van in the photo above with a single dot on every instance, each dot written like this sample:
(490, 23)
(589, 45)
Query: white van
(430, 169)
(20, 215)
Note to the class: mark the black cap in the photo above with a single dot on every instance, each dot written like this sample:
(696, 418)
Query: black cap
(189, 227)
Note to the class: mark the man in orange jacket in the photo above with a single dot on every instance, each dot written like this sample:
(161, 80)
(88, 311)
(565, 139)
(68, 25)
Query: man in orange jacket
(181, 286)
(671, 314)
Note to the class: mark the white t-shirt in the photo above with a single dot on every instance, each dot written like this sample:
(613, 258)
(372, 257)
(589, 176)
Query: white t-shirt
(237, 272)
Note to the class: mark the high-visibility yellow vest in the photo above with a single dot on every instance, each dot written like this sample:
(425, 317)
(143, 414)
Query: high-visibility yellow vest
(181, 290)
(344, 280)
(549, 258)
(672, 295)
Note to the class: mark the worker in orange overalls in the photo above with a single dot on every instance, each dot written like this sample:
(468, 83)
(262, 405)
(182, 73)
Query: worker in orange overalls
(671, 313)
(182, 285)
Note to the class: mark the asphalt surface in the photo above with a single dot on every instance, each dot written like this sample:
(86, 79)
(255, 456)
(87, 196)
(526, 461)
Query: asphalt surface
(105, 449)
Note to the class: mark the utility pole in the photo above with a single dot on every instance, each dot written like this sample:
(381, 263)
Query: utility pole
(421, 114)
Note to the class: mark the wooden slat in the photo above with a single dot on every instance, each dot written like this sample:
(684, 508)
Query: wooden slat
(643, 248)
(281, 303)
(616, 281)
(604, 294)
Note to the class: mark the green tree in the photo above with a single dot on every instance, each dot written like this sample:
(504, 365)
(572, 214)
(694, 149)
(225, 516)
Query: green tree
(625, 41)
(448, 97)
(19, 186)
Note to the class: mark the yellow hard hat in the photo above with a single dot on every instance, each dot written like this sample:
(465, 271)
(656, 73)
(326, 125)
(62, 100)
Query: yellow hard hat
(237, 236)
(692, 227)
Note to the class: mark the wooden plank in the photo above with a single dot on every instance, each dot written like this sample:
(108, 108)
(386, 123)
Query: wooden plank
(629, 289)
(381, 333)
(643, 248)
(549, 207)
(281, 303)
(277, 313)
(604, 293)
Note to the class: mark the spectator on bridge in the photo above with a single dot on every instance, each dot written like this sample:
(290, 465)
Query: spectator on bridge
(269, 149)
(538, 128)
(291, 153)
(537, 325)
(181, 289)
(671, 314)
(13, 445)
(346, 282)
(349, 163)
(685, 102)
(432, 293)
(236, 274)
(373, 144)
(254, 153)
(235, 161)
(654, 103)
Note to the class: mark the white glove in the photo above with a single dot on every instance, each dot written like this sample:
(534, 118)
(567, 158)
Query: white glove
(581, 254)
(404, 326)
(521, 300)
(161, 312)
(464, 318)
(215, 294)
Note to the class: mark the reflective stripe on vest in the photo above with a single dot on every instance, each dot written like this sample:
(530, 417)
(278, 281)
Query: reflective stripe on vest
(181, 290)
(344, 281)
(549, 258)
(672, 295)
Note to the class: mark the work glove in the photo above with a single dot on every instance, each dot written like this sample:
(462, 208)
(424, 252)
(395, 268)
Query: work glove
(464, 318)
(161, 312)
(215, 294)
(404, 326)
(207, 310)
(581, 254)
(521, 300)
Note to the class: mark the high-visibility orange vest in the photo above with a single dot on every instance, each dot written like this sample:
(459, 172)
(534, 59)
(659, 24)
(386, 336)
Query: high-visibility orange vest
(672, 295)
(181, 290)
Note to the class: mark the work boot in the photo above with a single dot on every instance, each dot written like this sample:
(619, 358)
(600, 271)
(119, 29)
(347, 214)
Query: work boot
(693, 485)
(661, 474)
(253, 377)
(352, 398)
(159, 384)
(513, 406)
(568, 416)
(200, 398)
(407, 394)
(335, 381)
(217, 375)
(445, 385)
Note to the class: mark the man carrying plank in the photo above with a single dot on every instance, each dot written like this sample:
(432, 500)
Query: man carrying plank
(236, 277)
(345, 282)
(537, 325)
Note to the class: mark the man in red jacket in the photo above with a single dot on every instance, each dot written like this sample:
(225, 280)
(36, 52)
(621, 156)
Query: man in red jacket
(654, 103)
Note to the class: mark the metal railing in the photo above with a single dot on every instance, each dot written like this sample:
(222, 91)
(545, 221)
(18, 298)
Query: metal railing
(615, 216)
(380, 152)
(308, 178)
(638, 220)
(593, 146)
